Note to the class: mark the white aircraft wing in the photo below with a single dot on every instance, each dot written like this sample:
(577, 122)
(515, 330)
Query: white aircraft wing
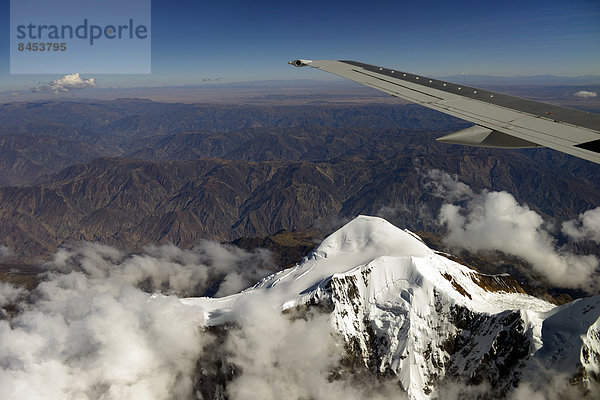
(501, 120)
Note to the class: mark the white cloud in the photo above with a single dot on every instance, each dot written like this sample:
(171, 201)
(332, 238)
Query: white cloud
(280, 359)
(585, 94)
(66, 83)
(586, 227)
(496, 221)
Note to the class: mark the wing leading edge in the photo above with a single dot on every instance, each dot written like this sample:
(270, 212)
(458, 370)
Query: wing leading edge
(501, 120)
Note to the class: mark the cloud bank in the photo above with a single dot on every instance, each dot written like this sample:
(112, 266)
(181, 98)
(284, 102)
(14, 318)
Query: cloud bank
(86, 338)
(90, 330)
(93, 330)
(496, 221)
(66, 84)
(210, 268)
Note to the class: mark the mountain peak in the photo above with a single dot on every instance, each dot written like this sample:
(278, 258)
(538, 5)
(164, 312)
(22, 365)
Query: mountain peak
(372, 235)
(390, 257)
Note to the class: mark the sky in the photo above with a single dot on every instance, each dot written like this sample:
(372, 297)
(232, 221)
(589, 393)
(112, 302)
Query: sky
(252, 40)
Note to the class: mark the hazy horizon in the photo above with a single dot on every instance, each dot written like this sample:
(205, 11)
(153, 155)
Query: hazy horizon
(238, 41)
(323, 89)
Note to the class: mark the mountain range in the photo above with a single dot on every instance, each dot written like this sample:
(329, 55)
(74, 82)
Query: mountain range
(122, 205)
(250, 172)
(131, 202)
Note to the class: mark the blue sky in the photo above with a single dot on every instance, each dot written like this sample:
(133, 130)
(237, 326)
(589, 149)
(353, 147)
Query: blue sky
(252, 40)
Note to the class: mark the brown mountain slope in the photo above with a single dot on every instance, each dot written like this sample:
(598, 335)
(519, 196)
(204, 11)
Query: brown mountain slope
(130, 202)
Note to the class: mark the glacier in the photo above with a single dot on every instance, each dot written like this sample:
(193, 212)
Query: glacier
(406, 311)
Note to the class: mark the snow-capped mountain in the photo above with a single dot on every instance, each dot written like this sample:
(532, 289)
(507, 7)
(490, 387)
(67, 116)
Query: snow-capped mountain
(409, 312)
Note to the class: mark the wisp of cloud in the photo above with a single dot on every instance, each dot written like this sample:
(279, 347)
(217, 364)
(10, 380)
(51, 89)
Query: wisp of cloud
(586, 227)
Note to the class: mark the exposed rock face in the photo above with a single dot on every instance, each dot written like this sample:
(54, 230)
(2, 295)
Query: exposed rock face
(590, 354)
(426, 343)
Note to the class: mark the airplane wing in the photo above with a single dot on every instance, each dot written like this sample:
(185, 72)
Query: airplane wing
(501, 120)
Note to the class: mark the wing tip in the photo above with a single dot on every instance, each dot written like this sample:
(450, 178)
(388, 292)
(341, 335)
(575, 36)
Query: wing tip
(300, 62)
